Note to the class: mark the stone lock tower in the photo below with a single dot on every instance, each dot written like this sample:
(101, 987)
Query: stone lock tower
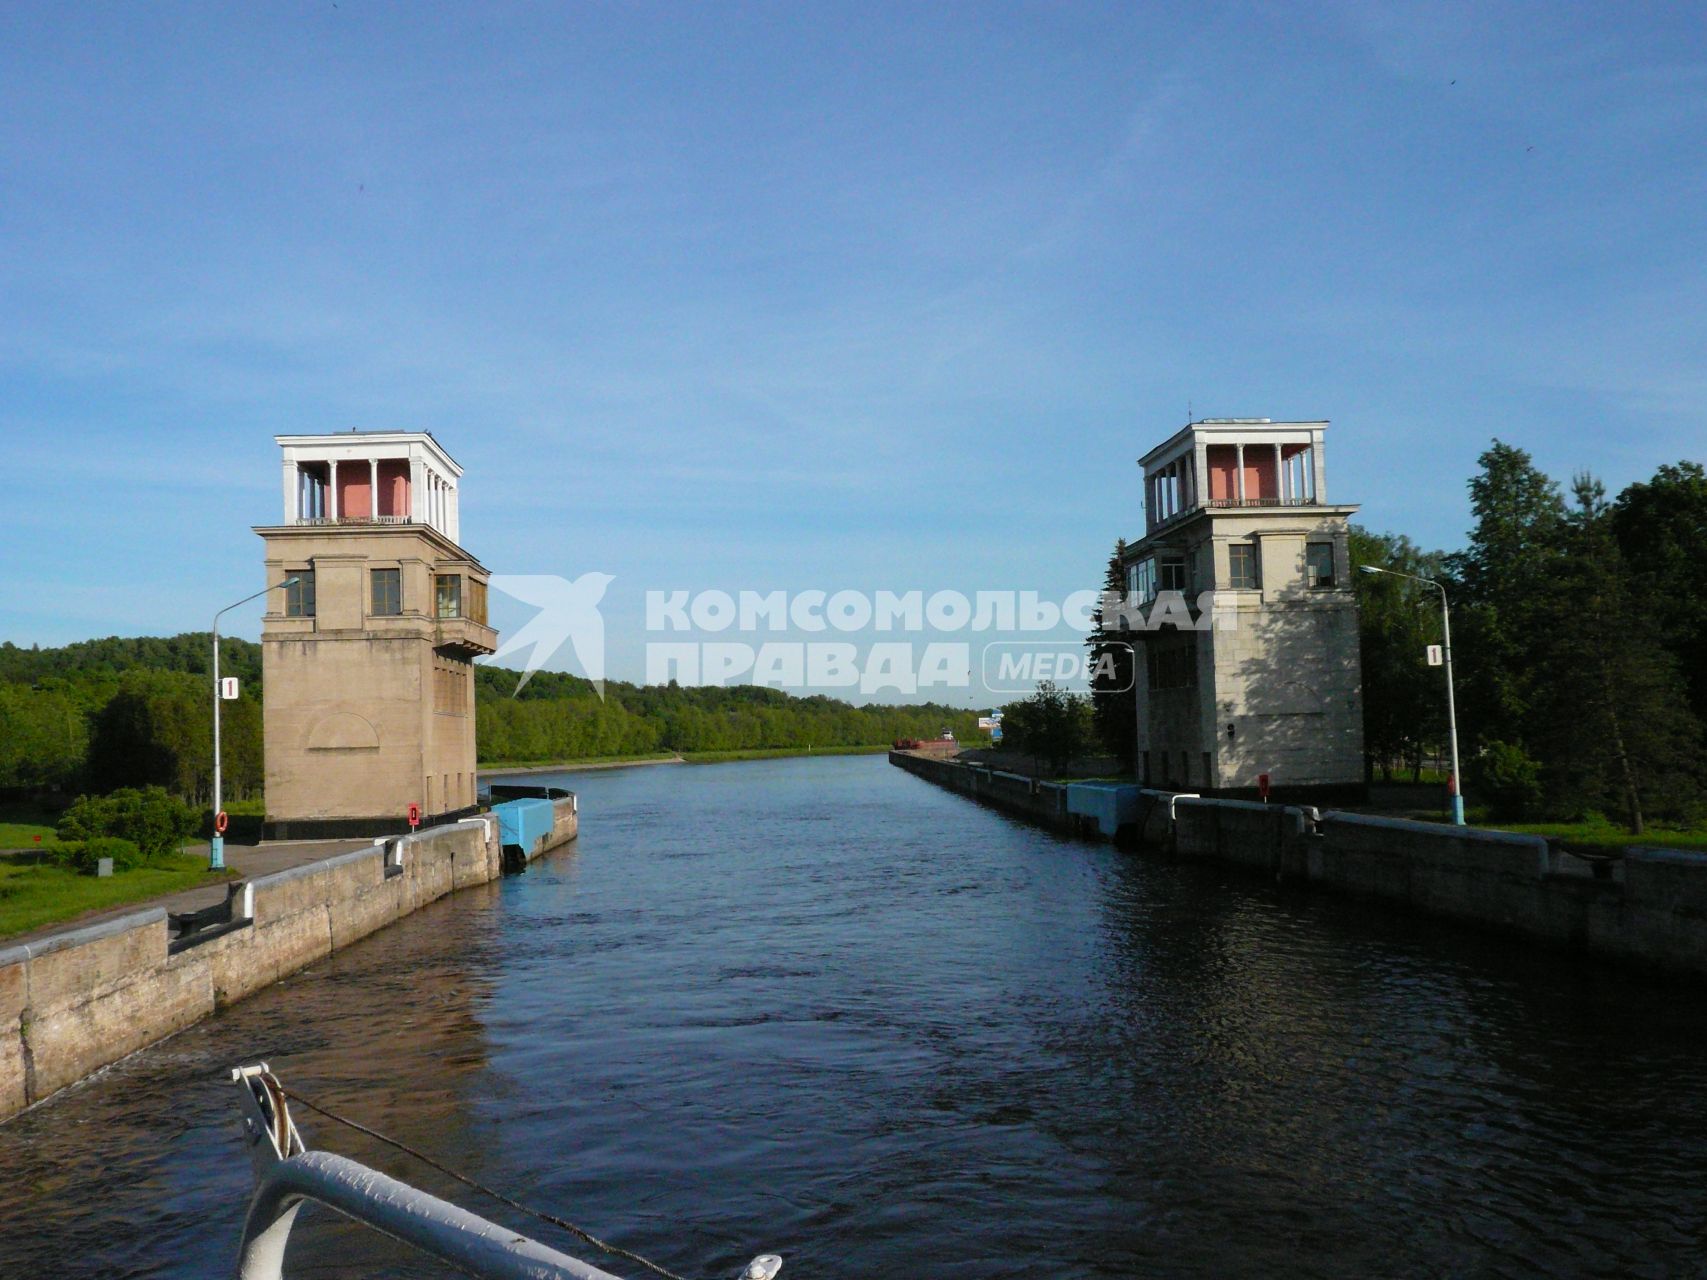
(367, 661)
(1267, 678)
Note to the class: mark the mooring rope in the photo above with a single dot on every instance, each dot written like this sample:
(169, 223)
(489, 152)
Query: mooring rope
(424, 1158)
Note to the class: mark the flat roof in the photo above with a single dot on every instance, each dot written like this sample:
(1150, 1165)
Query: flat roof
(1231, 426)
(362, 439)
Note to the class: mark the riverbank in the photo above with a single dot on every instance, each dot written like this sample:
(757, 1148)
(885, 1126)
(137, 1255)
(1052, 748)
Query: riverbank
(488, 770)
(73, 1001)
(1646, 905)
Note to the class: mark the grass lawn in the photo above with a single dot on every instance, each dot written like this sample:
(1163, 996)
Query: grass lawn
(21, 823)
(1603, 833)
(32, 895)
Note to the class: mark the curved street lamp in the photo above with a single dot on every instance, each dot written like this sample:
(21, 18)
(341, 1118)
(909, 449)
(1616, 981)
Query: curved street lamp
(1455, 788)
(216, 847)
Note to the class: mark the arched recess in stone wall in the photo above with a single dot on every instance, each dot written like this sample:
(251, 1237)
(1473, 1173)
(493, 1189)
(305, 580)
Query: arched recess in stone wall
(343, 731)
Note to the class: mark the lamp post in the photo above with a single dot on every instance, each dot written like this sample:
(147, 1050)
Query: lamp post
(1456, 788)
(216, 847)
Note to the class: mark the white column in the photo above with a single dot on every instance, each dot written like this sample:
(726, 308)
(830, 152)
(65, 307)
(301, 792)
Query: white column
(292, 472)
(417, 487)
(1239, 463)
(373, 489)
(332, 499)
(1318, 473)
(1277, 465)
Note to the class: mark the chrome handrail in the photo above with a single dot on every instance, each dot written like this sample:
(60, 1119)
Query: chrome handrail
(287, 1175)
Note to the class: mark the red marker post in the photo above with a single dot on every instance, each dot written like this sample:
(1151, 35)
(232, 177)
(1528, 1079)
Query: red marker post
(414, 816)
(1262, 786)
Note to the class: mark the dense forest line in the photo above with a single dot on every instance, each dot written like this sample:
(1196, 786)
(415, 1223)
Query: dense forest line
(137, 711)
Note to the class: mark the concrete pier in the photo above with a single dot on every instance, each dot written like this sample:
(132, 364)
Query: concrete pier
(1648, 906)
(74, 1001)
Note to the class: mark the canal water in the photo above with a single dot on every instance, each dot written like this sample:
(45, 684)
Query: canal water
(820, 1008)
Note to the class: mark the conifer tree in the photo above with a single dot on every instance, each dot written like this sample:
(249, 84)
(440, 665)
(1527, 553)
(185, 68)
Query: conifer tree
(1507, 578)
(1114, 695)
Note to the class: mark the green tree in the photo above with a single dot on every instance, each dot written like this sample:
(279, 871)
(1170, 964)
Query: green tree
(1661, 527)
(1114, 691)
(1611, 716)
(1404, 699)
(1507, 580)
(44, 735)
(1052, 725)
(157, 730)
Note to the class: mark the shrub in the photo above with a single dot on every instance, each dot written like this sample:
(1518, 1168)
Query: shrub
(155, 822)
(1505, 778)
(84, 856)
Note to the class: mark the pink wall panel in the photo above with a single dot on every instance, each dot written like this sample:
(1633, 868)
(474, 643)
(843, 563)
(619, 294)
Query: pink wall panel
(1221, 460)
(394, 488)
(1262, 478)
(355, 494)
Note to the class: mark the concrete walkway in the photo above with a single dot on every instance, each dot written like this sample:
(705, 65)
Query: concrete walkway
(246, 860)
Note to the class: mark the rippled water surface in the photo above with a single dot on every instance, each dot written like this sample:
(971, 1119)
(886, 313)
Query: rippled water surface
(821, 1008)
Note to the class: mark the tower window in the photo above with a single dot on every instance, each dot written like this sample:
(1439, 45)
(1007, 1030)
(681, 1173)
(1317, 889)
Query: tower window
(1172, 574)
(387, 592)
(1319, 564)
(1242, 565)
(448, 592)
(1141, 581)
(1174, 667)
(299, 596)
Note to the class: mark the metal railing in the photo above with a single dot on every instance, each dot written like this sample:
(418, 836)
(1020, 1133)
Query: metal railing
(288, 1175)
(336, 520)
(1260, 502)
(1226, 504)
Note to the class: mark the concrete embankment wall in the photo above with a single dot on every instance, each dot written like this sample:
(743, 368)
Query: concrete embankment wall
(1042, 802)
(75, 1001)
(1648, 906)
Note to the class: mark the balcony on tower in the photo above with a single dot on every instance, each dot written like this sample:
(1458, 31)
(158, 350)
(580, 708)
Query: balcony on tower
(370, 478)
(1234, 462)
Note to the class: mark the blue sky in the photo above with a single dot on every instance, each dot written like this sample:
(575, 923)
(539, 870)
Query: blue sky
(791, 296)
